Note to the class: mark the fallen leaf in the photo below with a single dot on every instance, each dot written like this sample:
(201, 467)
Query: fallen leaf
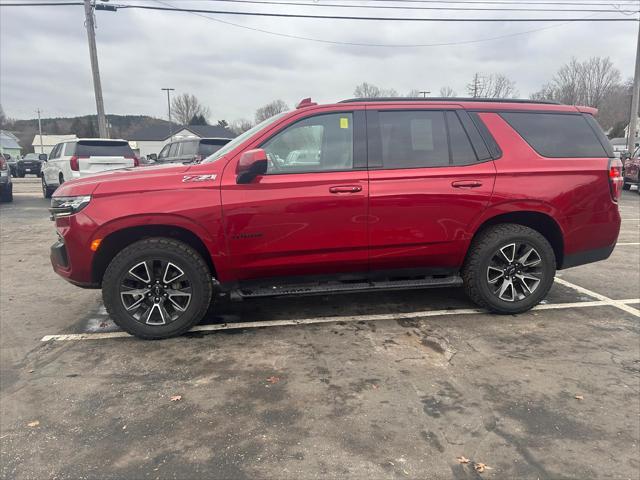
(272, 379)
(579, 397)
(35, 423)
(481, 467)
(175, 398)
(462, 459)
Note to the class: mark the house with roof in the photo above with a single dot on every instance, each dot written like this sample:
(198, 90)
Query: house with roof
(45, 143)
(152, 139)
(9, 144)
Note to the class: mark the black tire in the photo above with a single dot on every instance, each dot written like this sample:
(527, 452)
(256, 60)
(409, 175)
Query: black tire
(626, 186)
(7, 193)
(47, 191)
(60, 179)
(483, 250)
(21, 174)
(175, 252)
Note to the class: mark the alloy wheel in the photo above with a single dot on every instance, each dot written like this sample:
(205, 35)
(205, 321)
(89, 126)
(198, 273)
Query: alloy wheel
(515, 271)
(155, 291)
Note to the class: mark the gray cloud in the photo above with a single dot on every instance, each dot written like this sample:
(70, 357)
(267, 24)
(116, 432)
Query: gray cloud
(44, 59)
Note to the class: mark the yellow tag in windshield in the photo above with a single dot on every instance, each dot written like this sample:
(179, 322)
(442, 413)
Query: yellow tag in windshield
(344, 122)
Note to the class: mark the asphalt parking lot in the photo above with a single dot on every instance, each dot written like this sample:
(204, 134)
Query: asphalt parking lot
(384, 385)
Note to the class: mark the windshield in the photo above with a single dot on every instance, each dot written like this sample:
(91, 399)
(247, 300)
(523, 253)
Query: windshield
(242, 137)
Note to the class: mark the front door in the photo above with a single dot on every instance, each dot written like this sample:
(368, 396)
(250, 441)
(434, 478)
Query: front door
(428, 181)
(307, 215)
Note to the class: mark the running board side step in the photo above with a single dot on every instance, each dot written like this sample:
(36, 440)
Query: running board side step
(344, 287)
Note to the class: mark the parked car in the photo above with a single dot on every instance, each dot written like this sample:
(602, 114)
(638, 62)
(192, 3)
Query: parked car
(82, 157)
(6, 186)
(190, 150)
(632, 170)
(11, 162)
(30, 163)
(492, 195)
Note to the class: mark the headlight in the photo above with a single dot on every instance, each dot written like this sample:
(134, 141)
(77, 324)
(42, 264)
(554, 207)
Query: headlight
(65, 206)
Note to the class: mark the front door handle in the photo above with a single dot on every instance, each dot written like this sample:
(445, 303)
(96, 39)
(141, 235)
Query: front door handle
(345, 189)
(466, 184)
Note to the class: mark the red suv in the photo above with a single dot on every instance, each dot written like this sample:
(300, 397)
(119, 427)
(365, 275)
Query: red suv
(357, 195)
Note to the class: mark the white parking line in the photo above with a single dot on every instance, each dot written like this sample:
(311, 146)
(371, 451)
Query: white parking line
(627, 243)
(591, 293)
(347, 318)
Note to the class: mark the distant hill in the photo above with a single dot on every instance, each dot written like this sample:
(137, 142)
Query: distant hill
(120, 126)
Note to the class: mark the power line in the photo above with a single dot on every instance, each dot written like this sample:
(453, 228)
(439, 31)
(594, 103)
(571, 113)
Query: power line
(384, 19)
(376, 45)
(492, 2)
(397, 7)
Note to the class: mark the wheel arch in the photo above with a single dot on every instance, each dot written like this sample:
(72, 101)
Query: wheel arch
(117, 240)
(543, 223)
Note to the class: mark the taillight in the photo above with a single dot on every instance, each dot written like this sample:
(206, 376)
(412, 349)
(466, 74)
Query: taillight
(615, 178)
(73, 162)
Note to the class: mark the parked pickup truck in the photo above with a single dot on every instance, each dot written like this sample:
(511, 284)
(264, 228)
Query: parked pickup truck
(358, 195)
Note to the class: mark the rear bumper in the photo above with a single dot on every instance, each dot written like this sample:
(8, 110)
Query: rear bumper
(588, 256)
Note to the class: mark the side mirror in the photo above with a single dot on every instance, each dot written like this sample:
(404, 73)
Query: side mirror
(42, 157)
(252, 163)
(152, 156)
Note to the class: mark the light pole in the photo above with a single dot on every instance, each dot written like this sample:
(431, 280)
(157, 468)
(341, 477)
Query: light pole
(40, 131)
(424, 93)
(635, 101)
(169, 90)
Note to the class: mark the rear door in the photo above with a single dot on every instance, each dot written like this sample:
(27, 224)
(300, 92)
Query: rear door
(96, 156)
(307, 215)
(430, 175)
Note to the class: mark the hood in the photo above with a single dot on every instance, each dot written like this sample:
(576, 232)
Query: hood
(114, 180)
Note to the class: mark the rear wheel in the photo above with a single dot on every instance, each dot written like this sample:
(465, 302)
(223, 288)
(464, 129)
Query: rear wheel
(21, 173)
(157, 288)
(509, 268)
(47, 191)
(626, 186)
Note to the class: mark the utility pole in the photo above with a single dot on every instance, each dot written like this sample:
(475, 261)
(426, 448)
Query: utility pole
(40, 131)
(93, 54)
(169, 90)
(635, 100)
(424, 93)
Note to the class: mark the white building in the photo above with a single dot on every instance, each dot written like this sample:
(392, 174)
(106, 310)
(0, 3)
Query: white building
(150, 140)
(48, 142)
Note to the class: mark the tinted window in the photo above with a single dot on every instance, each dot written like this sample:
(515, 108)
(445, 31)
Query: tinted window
(556, 135)
(207, 147)
(103, 148)
(412, 139)
(189, 148)
(461, 150)
(320, 143)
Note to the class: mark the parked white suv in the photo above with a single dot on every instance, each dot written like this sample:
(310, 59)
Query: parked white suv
(82, 157)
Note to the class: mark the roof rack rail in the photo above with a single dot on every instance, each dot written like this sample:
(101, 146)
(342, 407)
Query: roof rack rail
(449, 99)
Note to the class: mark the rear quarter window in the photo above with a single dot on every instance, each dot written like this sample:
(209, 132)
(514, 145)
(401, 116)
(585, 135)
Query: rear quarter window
(103, 148)
(208, 147)
(557, 135)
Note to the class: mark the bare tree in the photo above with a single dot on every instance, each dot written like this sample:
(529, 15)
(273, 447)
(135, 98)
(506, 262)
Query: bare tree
(492, 86)
(582, 83)
(185, 107)
(368, 90)
(447, 92)
(413, 93)
(270, 109)
(3, 117)
(240, 125)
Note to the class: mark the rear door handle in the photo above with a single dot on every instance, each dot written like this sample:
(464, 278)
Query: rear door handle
(345, 189)
(466, 184)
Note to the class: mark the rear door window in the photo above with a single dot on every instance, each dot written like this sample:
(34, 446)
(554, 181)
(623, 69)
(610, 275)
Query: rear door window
(103, 148)
(173, 150)
(557, 135)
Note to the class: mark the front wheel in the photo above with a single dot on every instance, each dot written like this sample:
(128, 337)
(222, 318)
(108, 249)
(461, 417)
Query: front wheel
(157, 288)
(47, 191)
(509, 268)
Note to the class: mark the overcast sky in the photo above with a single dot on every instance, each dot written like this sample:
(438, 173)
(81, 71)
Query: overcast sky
(44, 59)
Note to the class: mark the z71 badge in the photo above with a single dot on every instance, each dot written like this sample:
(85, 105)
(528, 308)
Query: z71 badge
(199, 178)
